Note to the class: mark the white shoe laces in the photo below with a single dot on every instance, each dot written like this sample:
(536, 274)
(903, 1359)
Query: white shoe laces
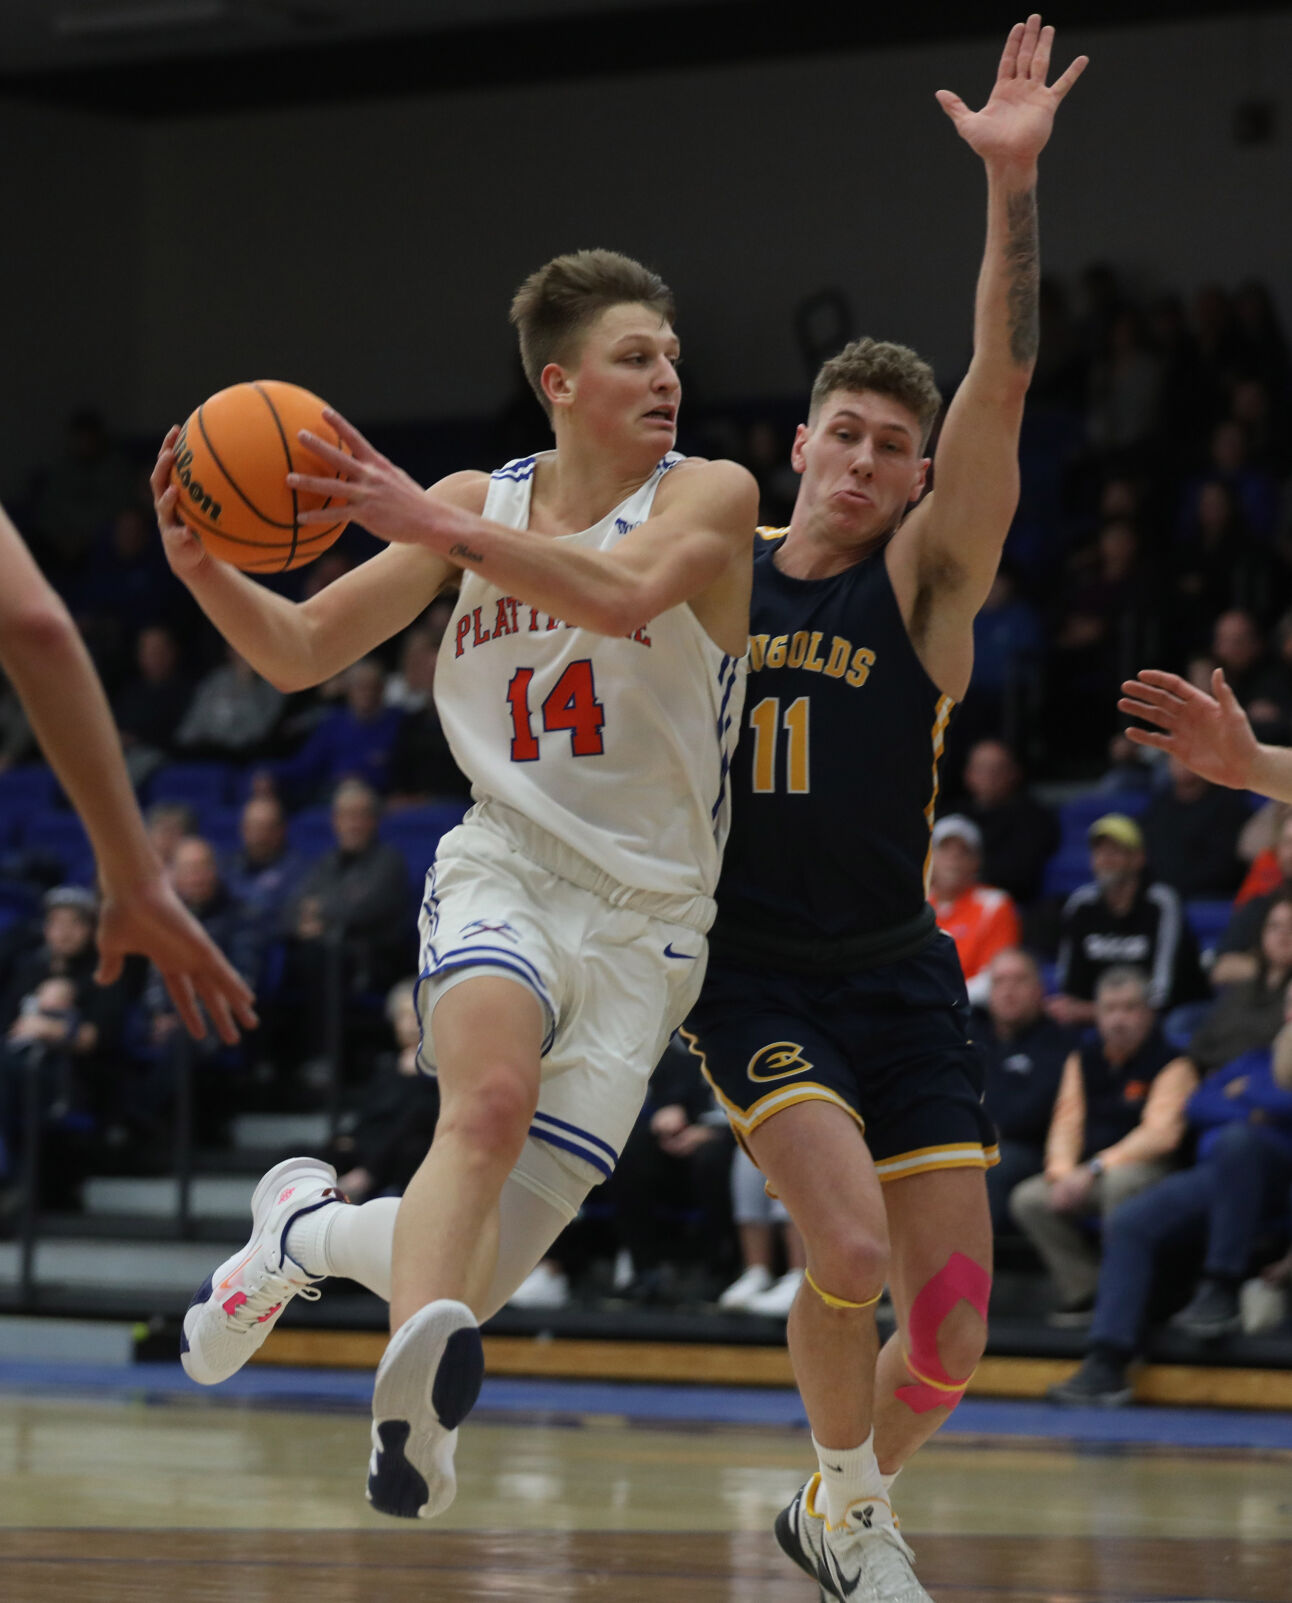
(273, 1291)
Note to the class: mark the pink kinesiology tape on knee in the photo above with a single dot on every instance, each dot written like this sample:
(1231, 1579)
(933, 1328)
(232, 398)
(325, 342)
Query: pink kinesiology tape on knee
(960, 1280)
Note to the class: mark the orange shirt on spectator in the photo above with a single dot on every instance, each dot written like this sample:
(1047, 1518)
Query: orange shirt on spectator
(981, 921)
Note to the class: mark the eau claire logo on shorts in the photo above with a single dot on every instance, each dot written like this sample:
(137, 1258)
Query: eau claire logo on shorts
(778, 1060)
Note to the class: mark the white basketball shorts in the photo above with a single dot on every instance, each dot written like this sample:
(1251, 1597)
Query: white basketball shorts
(614, 981)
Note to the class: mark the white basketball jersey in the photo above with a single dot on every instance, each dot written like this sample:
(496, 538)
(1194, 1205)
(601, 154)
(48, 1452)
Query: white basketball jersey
(618, 747)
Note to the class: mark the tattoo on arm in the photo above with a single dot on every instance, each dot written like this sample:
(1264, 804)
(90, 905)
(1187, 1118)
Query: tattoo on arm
(463, 550)
(1023, 256)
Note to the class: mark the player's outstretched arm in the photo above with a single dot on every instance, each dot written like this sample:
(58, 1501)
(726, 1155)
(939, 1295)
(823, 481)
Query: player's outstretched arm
(955, 537)
(1208, 733)
(705, 514)
(51, 670)
(296, 645)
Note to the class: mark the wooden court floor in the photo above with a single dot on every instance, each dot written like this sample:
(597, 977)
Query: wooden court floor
(110, 1502)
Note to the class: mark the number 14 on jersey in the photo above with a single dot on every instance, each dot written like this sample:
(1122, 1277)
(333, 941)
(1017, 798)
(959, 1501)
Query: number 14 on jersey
(767, 721)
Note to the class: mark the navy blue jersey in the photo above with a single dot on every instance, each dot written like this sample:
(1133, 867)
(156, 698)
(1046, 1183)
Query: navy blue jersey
(835, 777)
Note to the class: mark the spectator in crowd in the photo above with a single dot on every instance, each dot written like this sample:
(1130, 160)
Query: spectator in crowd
(40, 1047)
(352, 742)
(167, 824)
(412, 687)
(358, 894)
(1008, 648)
(1248, 1013)
(1216, 567)
(124, 587)
(1237, 951)
(422, 768)
(1107, 624)
(80, 494)
(758, 1290)
(232, 714)
(1125, 389)
(677, 1157)
(381, 1144)
(1256, 850)
(1116, 1127)
(1122, 918)
(1019, 833)
(1243, 1116)
(17, 742)
(1263, 686)
(1130, 768)
(84, 1036)
(149, 708)
(263, 876)
(1255, 490)
(1192, 833)
(1024, 1052)
(67, 951)
(980, 919)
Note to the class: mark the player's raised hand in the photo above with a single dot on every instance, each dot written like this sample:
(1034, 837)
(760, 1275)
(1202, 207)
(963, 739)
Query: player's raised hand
(146, 916)
(184, 551)
(1014, 125)
(1209, 734)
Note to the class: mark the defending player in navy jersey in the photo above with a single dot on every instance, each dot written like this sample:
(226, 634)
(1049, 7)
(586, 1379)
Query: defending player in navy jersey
(833, 1023)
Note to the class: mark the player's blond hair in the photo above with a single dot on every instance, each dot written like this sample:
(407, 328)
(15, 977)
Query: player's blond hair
(888, 369)
(554, 305)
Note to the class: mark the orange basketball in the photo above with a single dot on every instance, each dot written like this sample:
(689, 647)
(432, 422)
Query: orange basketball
(232, 459)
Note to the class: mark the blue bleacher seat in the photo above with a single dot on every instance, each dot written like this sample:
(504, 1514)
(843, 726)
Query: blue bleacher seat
(28, 789)
(201, 785)
(1077, 815)
(310, 831)
(416, 832)
(1208, 920)
(63, 835)
(1067, 869)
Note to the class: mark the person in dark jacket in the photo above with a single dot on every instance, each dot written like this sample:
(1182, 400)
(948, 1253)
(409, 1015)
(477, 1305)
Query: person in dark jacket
(382, 1143)
(1121, 918)
(1024, 1053)
(1116, 1126)
(1019, 833)
(1243, 1117)
(1250, 1013)
(1192, 833)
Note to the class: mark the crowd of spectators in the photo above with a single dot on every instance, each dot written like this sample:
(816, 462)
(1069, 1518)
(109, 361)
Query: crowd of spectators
(1126, 928)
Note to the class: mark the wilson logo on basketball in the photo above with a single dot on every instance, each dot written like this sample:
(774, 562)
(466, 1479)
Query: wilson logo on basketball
(778, 1060)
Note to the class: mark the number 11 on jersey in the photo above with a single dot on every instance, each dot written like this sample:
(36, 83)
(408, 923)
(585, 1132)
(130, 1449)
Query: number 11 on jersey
(766, 722)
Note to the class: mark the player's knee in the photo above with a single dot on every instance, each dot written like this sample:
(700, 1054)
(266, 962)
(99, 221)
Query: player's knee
(492, 1119)
(853, 1263)
(961, 1341)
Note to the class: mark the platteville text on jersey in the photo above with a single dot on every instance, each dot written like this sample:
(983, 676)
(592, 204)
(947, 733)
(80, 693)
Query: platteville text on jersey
(803, 650)
(513, 617)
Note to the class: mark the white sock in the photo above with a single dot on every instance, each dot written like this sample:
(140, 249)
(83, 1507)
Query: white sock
(888, 1483)
(847, 1476)
(355, 1242)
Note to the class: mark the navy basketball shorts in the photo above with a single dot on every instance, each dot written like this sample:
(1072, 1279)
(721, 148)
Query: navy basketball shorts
(890, 1044)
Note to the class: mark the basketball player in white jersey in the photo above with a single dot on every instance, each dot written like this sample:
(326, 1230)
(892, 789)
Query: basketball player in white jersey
(590, 685)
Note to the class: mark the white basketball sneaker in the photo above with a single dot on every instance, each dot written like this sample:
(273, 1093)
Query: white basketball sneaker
(427, 1383)
(864, 1560)
(236, 1306)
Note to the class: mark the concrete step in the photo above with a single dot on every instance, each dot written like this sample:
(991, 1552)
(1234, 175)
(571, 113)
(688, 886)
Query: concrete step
(162, 1266)
(210, 1196)
(284, 1133)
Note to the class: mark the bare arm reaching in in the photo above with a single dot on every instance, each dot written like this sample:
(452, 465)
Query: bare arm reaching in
(1208, 733)
(51, 670)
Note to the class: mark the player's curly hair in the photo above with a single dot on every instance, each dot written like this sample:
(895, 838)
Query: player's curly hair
(886, 368)
(554, 305)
